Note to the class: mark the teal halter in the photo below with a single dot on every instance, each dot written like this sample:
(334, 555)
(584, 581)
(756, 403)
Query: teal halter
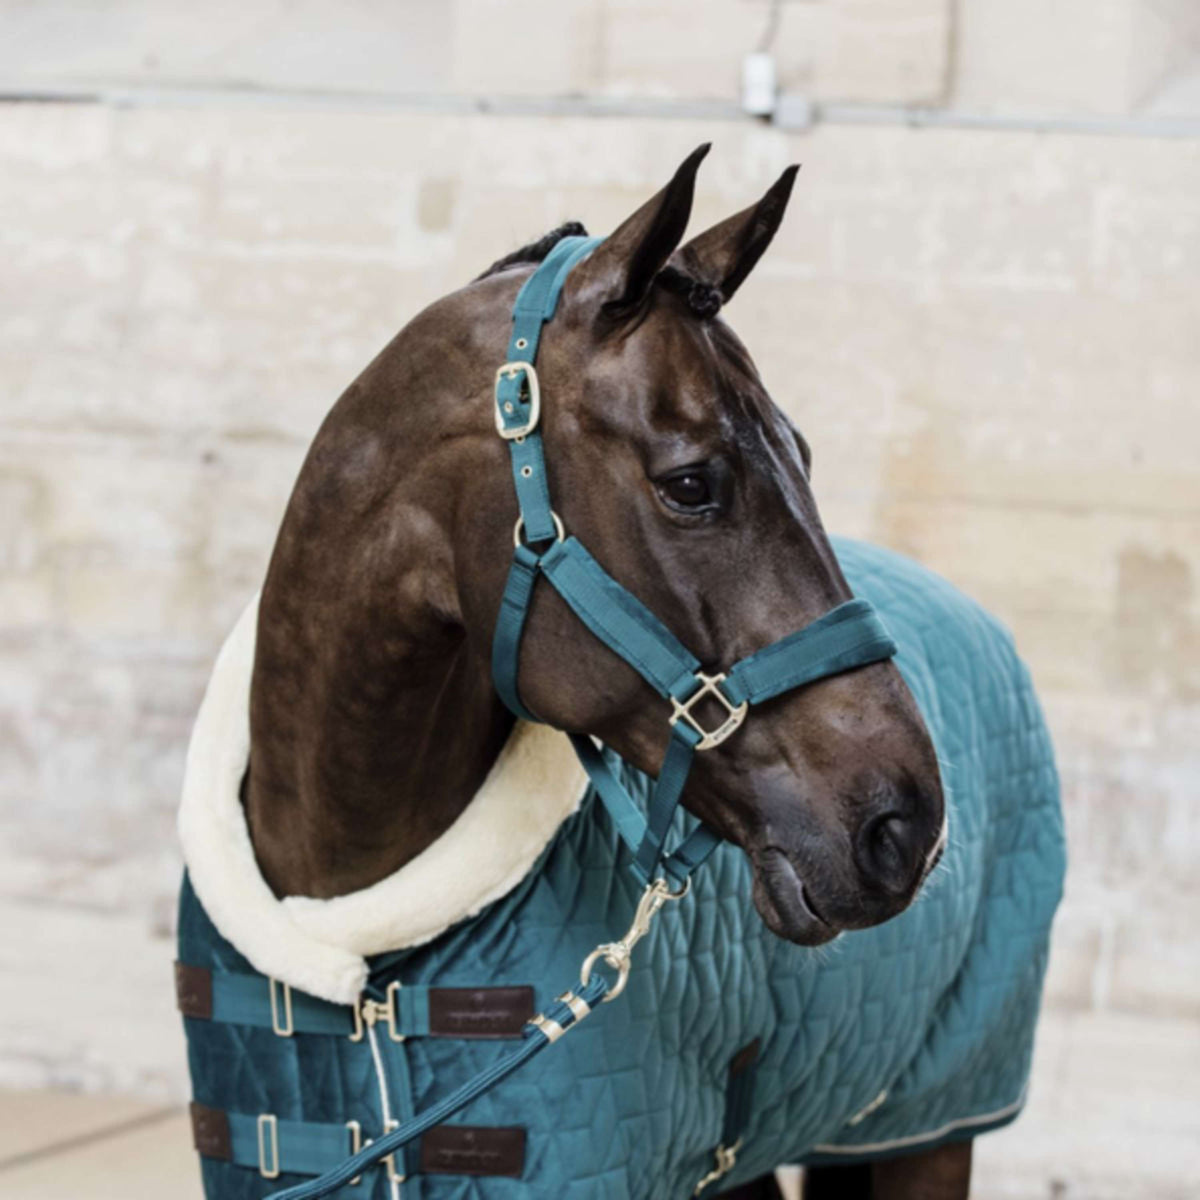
(850, 635)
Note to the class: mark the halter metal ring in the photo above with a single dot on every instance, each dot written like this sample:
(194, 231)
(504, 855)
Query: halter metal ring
(710, 685)
(559, 532)
(680, 893)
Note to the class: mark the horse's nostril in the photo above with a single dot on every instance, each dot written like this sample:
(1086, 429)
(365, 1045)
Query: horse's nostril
(888, 852)
(887, 844)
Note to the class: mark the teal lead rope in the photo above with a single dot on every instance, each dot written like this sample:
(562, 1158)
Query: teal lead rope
(849, 636)
(536, 1038)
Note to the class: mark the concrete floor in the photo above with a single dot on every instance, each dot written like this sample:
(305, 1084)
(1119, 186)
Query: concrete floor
(1114, 1114)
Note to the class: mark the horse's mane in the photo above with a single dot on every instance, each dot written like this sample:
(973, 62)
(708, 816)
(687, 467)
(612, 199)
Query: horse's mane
(702, 298)
(534, 252)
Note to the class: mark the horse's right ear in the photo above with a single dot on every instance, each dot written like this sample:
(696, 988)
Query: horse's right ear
(618, 274)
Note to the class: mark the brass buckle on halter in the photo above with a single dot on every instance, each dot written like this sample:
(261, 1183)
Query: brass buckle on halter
(367, 1013)
(510, 370)
(726, 1160)
(710, 685)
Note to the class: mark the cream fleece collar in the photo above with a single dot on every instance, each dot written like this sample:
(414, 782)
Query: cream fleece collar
(318, 946)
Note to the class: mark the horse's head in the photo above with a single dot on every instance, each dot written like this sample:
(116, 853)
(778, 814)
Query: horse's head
(669, 461)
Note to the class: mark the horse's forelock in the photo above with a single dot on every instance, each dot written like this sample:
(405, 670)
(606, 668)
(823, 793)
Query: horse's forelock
(702, 298)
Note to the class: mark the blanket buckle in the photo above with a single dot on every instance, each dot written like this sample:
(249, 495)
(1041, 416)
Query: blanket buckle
(726, 1160)
(281, 1014)
(389, 1160)
(354, 1129)
(268, 1145)
(369, 1012)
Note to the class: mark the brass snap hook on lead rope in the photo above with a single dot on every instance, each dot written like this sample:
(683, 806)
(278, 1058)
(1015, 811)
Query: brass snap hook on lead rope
(618, 955)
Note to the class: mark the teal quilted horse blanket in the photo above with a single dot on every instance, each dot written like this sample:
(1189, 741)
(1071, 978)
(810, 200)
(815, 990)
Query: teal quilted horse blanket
(902, 1036)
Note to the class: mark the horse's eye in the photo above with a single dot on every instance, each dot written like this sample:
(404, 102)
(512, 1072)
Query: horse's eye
(687, 490)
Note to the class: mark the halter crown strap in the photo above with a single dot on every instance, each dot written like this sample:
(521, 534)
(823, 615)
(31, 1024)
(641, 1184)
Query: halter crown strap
(518, 391)
(851, 635)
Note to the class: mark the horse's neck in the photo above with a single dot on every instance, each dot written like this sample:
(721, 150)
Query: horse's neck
(361, 758)
(373, 718)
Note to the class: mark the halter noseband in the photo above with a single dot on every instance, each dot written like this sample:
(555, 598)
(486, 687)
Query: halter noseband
(850, 635)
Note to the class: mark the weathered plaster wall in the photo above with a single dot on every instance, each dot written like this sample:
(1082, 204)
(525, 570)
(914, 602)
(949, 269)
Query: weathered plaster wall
(989, 337)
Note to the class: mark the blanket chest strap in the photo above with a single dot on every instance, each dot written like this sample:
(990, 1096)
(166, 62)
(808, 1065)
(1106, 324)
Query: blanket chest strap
(273, 1146)
(463, 1013)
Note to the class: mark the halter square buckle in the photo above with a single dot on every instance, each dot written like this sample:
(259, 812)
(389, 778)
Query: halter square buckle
(506, 409)
(710, 686)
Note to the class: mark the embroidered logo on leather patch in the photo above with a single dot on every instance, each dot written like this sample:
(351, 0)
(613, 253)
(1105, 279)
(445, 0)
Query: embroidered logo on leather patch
(479, 1012)
(193, 991)
(210, 1132)
(473, 1150)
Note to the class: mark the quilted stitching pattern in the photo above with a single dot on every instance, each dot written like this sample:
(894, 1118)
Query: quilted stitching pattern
(937, 1006)
(248, 1070)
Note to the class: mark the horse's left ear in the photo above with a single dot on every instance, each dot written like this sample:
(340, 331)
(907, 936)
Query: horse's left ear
(725, 254)
(619, 273)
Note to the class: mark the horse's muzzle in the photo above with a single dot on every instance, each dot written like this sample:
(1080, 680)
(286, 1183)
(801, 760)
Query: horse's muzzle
(784, 902)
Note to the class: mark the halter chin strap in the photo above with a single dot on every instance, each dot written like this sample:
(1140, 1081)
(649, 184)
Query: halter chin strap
(849, 636)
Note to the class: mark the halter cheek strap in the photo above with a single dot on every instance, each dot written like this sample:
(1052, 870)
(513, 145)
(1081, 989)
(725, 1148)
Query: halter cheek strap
(851, 635)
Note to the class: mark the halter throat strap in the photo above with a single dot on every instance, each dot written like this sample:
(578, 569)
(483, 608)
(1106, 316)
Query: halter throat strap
(850, 635)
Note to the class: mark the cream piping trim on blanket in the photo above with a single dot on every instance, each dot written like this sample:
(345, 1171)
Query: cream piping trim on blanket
(930, 1135)
(318, 946)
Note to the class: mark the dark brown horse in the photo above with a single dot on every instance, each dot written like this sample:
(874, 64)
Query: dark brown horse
(373, 716)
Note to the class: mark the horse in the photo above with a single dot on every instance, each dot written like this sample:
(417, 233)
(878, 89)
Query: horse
(370, 731)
